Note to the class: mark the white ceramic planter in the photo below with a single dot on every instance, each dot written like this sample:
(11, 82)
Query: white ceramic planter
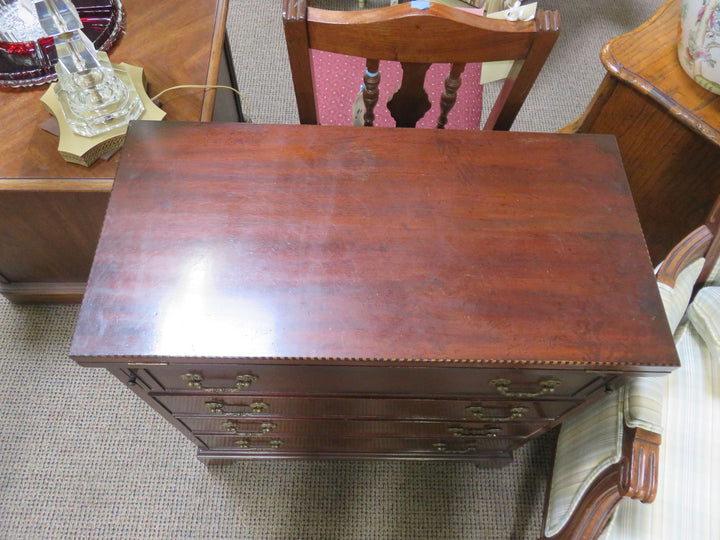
(699, 42)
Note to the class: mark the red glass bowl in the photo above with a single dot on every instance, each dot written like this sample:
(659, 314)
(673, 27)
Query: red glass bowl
(33, 62)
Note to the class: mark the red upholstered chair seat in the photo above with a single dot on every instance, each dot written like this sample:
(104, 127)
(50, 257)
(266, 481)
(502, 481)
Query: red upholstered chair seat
(338, 79)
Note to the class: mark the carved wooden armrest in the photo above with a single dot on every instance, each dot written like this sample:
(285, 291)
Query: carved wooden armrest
(702, 242)
(634, 476)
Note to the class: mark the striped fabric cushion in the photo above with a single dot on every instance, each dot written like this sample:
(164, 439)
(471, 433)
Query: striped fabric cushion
(588, 443)
(704, 314)
(714, 277)
(591, 441)
(644, 402)
(688, 496)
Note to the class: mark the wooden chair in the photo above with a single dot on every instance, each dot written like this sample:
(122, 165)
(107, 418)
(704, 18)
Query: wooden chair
(588, 484)
(418, 37)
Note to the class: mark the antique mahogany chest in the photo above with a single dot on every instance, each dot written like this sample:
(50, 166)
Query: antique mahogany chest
(311, 291)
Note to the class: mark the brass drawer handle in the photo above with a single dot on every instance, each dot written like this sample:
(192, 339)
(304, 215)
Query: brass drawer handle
(242, 382)
(479, 413)
(489, 432)
(443, 447)
(546, 387)
(256, 407)
(235, 427)
(245, 444)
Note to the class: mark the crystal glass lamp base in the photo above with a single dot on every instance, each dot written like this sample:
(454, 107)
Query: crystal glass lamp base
(84, 151)
(102, 107)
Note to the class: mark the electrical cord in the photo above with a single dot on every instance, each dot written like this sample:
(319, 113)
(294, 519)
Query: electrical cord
(243, 101)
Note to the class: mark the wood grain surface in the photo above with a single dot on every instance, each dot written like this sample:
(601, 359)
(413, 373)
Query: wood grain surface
(310, 242)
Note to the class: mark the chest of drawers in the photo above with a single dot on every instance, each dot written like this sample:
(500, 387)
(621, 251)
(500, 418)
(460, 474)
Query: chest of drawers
(301, 291)
(359, 410)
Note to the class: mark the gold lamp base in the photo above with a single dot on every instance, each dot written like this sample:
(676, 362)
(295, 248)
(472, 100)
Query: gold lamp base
(85, 151)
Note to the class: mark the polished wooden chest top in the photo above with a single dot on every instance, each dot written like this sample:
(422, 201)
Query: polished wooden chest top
(480, 285)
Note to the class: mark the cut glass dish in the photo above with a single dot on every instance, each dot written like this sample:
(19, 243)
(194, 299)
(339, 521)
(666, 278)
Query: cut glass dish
(28, 58)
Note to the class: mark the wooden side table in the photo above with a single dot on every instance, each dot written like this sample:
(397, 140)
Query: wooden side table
(315, 291)
(667, 127)
(51, 211)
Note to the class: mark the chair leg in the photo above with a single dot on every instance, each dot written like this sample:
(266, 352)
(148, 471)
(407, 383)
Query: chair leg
(634, 476)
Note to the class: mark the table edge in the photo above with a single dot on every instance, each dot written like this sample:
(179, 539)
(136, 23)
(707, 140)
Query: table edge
(218, 38)
(604, 367)
(616, 68)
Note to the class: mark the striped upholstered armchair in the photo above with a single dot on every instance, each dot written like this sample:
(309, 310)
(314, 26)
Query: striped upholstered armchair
(610, 459)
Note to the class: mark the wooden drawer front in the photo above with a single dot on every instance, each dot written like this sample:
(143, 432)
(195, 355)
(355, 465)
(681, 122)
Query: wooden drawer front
(431, 446)
(358, 428)
(407, 379)
(380, 408)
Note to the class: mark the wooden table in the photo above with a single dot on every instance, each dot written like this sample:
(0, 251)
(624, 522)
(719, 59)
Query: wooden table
(310, 291)
(667, 127)
(51, 211)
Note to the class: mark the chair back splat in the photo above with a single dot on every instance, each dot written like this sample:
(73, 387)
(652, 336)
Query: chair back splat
(417, 37)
